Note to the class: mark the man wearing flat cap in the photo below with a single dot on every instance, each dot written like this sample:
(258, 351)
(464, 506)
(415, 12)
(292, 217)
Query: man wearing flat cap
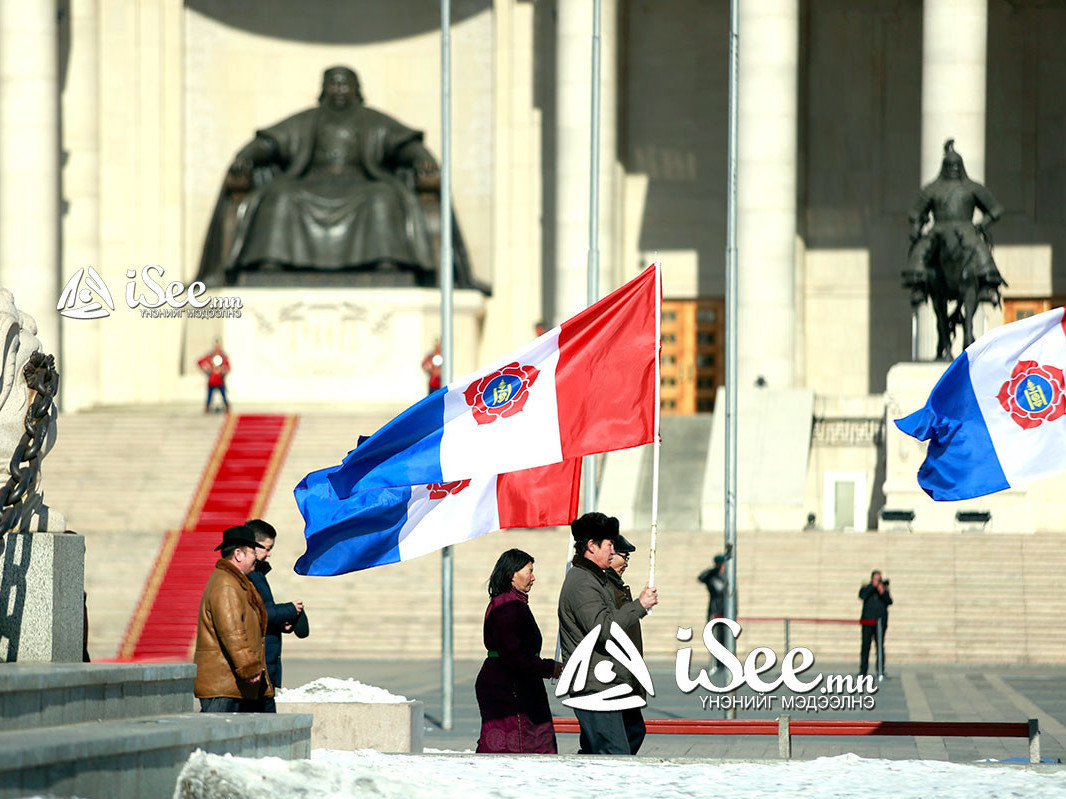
(585, 601)
(230, 656)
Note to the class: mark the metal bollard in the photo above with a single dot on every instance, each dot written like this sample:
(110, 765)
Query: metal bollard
(880, 651)
(784, 737)
(1034, 741)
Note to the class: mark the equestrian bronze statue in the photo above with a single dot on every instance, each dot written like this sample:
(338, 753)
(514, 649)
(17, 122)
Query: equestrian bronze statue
(951, 259)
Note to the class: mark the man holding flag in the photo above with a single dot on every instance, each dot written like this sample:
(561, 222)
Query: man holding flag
(586, 603)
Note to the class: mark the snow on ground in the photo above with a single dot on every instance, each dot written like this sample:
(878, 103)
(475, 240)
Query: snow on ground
(331, 689)
(331, 774)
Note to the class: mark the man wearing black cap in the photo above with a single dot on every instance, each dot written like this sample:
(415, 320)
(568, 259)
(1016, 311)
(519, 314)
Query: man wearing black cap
(230, 655)
(585, 601)
(282, 617)
(632, 717)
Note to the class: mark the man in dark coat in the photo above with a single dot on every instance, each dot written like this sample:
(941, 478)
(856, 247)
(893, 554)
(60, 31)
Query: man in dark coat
(875, 601)
(585, 602)
(714, 579)
(281, 617)
(632, 717)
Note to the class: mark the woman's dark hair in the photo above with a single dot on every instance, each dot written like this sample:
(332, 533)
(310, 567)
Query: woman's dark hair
(511, 561)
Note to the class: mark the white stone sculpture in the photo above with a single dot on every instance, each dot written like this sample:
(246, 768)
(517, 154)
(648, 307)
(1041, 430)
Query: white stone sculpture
(20, 342)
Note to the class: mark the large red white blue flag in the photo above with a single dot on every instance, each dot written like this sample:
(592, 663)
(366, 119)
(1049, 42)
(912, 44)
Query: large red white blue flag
(997, 417)
(388, 525)
(586, 386)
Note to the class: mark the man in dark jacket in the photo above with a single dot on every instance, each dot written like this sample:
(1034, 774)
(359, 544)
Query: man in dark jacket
(631, 717)
(585, 602)
(875, 601)
(281, 617)
(714, 579)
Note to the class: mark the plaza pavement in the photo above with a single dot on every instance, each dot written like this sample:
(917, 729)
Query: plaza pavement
(923, 692)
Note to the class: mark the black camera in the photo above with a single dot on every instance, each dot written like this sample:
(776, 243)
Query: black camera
(884, 582)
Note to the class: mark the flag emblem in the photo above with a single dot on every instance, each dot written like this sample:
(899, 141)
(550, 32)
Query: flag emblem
(501, 393)
(441, 490)
(1033, 394)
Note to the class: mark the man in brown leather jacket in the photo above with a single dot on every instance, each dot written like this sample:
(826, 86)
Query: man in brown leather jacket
(230, 652)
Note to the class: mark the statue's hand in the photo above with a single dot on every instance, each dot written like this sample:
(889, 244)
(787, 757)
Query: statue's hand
(427, 175)
(427, 168)
(242, 165)
(239, 177)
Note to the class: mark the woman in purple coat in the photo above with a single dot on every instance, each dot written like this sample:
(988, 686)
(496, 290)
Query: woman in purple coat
(515, 716)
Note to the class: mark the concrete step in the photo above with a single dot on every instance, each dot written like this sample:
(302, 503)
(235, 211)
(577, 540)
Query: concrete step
(45, 695)
(681, 473)
(105, 730)
(138, 757)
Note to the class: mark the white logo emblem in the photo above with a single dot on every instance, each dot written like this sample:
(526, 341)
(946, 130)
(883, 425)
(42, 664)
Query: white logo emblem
(90, 308)
(618, 697)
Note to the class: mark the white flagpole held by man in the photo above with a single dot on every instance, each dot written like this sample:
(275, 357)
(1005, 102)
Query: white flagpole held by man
(593, 268)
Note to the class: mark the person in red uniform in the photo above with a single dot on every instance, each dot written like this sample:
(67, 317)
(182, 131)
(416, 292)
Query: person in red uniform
(216, 366)
(431, 366)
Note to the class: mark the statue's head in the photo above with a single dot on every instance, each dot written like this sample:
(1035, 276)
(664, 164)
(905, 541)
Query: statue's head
(951, 168)
(340, 88)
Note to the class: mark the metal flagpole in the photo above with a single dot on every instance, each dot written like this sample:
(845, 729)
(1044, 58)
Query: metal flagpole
(731, 276)
(446, 280)
(657, 443)
(593, 277)
(594, 219)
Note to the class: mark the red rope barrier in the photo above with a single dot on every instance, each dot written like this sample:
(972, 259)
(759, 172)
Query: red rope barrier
(690, 726)
(790, 619)
(945, 729)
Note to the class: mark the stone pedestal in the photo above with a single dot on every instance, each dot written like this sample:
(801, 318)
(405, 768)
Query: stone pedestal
(384, 726)
(907, 388)
(42, 580)
(341, 345)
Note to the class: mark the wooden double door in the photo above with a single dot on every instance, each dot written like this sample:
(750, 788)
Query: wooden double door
(693, 354)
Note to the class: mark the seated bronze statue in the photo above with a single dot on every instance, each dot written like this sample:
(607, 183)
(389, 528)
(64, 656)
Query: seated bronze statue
(337, 189)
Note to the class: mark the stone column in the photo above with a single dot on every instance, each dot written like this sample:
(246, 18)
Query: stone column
(79, 385)
(573, 99)
(29, 162)
(766, 192)
(954, 61)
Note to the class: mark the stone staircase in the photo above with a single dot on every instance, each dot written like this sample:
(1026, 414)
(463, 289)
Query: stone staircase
(123, 477)
(118, 731)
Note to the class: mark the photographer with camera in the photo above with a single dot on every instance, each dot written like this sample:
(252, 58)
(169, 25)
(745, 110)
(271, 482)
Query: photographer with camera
(875, 601)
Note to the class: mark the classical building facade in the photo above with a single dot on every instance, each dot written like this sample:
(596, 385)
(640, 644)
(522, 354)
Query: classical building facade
(113, 152)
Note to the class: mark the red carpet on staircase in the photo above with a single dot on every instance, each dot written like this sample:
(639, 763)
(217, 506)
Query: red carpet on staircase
(235, 486)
